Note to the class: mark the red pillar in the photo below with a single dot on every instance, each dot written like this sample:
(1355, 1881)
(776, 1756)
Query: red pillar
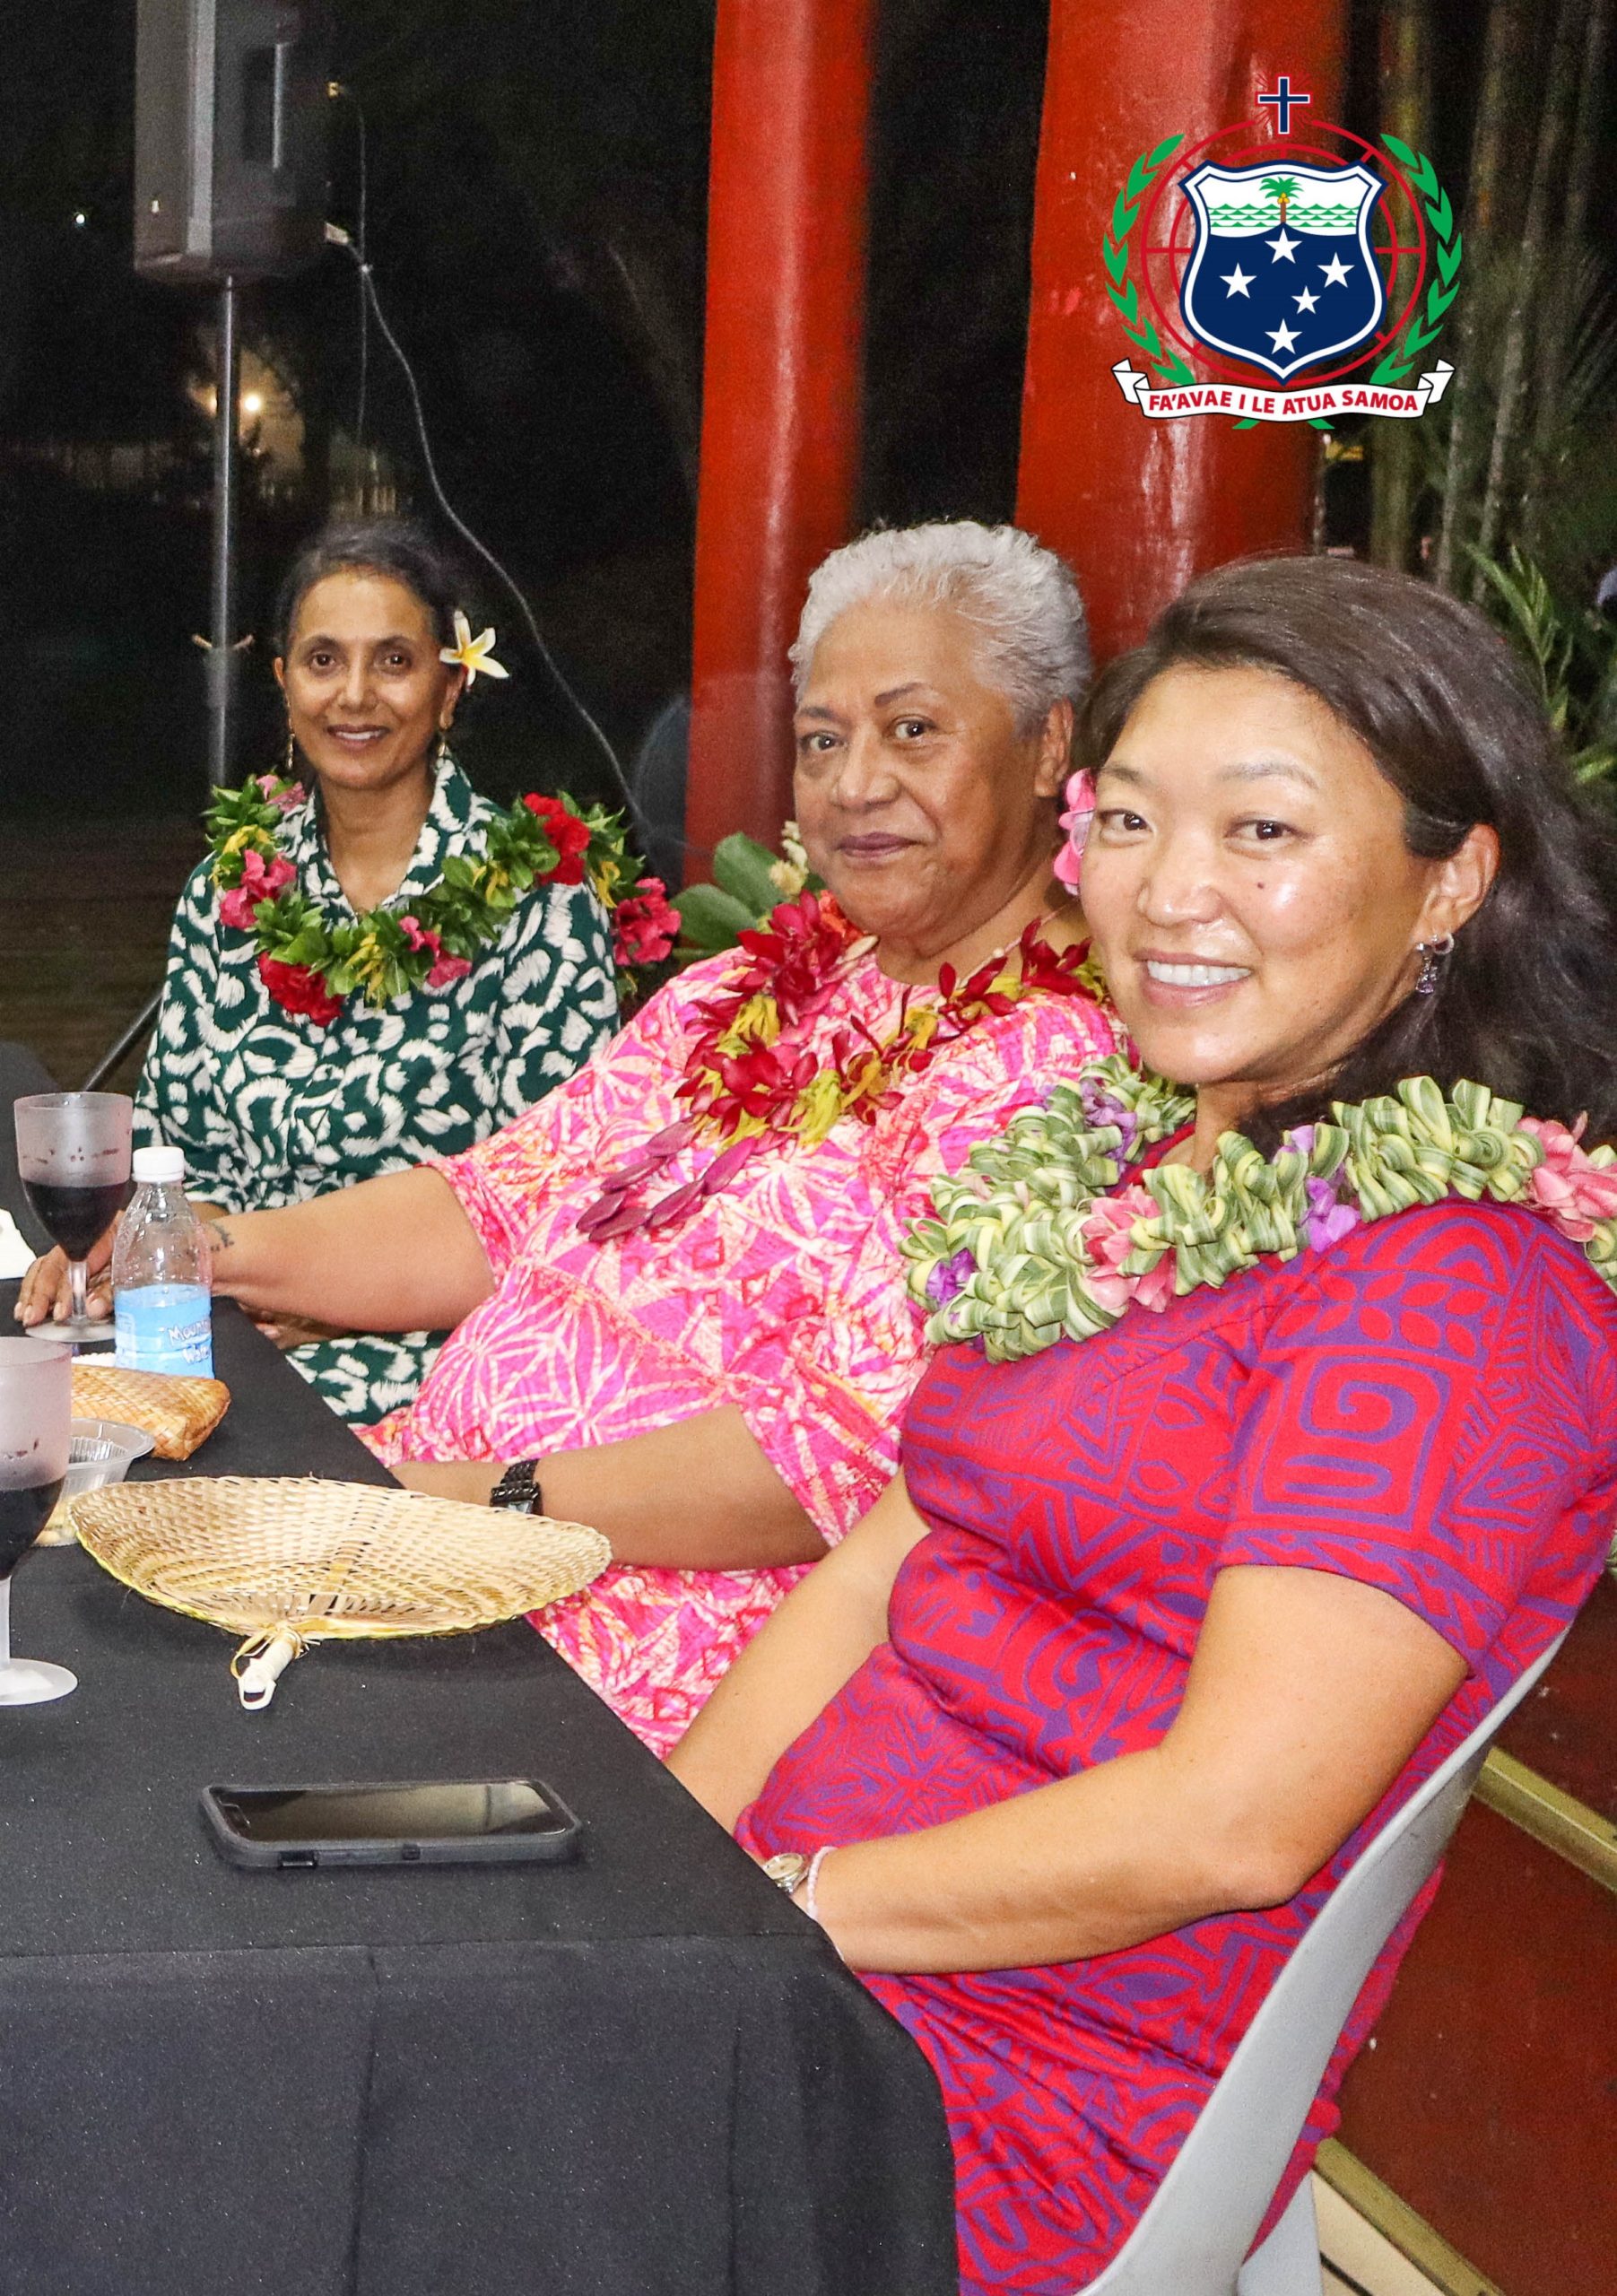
(1139, 506)
(782, 383)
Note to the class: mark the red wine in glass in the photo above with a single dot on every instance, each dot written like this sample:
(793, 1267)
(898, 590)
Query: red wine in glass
(74, 1217)
(74, 1155)
(24, 1515)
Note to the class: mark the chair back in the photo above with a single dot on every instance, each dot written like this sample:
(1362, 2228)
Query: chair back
(1194, 2237)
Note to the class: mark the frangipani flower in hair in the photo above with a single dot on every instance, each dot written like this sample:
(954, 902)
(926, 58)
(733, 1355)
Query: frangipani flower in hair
(1076, 824)
(471, 654)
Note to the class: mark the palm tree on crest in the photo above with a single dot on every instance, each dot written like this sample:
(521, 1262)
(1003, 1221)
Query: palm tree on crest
(1282, 188)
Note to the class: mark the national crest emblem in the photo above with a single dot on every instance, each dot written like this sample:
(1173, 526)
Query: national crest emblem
(1286, 266)
(1282, 274)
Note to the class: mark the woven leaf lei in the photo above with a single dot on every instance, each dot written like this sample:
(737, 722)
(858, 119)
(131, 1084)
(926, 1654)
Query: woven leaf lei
(748, 1077)
(1030, 1244)
(310, 966)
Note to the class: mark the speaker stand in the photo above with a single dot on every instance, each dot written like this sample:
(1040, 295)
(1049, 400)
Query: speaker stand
(222, 657)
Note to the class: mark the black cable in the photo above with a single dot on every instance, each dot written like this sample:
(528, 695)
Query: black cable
(362, 224)
(339, 89)
(340, 238)
(112, 1059)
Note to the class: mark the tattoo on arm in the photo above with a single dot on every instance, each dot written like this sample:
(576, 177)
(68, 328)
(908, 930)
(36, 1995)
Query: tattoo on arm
(220, 1239)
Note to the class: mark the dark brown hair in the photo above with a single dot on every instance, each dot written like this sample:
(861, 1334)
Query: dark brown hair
(1527, 1002)
(395, 547)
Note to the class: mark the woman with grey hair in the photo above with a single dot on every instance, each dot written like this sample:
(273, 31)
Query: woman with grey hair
(1019, 601)
(682, 1309)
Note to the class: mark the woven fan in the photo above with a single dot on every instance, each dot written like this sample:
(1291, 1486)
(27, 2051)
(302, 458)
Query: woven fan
(287, 1564)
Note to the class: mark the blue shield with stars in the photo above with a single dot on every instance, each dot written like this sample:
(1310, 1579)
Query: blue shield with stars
(1282, 274)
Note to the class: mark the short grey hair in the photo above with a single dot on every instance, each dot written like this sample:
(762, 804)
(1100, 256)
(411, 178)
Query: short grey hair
(1020, 600)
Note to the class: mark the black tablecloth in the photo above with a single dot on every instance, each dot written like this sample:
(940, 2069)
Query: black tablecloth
(644, 2074)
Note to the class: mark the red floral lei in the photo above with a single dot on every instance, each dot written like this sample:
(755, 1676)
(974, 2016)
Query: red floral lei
(746, 1081)
(311, 968)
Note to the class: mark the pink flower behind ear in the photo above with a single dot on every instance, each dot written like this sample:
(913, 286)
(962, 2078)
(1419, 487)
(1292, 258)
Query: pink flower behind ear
(1076, 824)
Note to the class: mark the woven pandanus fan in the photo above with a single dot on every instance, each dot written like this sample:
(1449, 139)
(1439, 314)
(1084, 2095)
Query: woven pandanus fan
(287, 1564)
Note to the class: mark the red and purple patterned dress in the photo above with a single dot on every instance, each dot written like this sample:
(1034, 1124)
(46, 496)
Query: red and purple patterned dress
(1429, 1407)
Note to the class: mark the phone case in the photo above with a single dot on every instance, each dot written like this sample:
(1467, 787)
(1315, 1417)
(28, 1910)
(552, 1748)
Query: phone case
(311, 1857)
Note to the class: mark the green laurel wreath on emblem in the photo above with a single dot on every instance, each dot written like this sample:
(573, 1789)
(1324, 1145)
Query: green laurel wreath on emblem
(1170, 369)
(1395, 361)
(1424, 329)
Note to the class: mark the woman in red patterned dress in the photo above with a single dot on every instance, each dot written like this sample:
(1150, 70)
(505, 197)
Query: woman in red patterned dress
(1268, 1474)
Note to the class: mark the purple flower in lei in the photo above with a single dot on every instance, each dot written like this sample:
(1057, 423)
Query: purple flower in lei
(949, 1277)
(1328, 1217)
(1102, 1107)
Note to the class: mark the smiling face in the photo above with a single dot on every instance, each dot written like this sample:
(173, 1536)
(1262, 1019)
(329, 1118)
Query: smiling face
(919, 802)
(365, 690)
(1249, 889)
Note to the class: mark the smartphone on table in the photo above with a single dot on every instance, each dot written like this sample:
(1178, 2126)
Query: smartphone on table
(435, 1821)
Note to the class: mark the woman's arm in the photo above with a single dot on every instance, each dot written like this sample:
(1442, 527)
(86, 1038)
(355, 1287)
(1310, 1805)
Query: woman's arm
(699, 1495)
(1307, 1695)
(819, 1638)
(393, 1254)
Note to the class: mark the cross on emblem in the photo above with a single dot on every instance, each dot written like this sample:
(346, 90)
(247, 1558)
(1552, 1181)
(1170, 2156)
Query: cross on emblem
(1283, 100)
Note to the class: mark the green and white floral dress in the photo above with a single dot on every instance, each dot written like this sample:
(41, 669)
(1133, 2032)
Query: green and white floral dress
(271, 1107)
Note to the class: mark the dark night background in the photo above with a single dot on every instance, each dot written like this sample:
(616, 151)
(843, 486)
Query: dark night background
(537, 215)
(536, 182)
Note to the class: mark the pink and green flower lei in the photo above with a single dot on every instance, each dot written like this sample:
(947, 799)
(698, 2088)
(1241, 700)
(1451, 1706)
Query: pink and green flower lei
(1037, 1240)
(311, 967)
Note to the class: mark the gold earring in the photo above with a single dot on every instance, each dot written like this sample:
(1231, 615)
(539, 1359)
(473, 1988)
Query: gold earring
(288, 768)
(442, 758)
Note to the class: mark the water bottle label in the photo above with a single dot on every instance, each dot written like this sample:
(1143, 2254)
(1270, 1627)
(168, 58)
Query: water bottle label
(165, 1327)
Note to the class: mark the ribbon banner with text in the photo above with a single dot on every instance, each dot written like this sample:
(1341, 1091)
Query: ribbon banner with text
(1259, 405)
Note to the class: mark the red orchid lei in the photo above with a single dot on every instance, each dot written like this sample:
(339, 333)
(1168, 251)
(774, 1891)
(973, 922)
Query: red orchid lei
(312, 968)
(748, 1081)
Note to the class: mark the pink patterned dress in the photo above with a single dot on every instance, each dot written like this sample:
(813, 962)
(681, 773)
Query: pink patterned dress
(782, 1295)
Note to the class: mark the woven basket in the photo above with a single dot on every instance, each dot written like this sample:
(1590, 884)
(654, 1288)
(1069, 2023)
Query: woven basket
(287, 1563)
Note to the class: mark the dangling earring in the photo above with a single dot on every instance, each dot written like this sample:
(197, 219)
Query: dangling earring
(289, 769)
(442, 758)
(1432, 955)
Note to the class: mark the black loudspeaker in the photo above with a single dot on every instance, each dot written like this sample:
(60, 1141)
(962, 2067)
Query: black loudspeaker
(231, 126)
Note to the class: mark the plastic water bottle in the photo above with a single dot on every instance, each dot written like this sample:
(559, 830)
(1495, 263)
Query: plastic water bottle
(161, 1296)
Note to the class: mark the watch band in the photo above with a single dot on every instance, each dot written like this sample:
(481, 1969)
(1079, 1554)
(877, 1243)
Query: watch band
(518, 1488)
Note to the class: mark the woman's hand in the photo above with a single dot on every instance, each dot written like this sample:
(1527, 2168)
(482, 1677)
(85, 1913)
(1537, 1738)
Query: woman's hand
(43, 1297)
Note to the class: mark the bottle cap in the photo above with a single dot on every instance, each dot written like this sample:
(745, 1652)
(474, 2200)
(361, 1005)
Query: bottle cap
(160, 1167)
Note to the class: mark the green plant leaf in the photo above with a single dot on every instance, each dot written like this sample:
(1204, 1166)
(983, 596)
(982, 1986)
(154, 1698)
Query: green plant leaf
(742, 867)
(711, 918)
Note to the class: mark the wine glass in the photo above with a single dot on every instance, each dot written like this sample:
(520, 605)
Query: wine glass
(73, 1154)
(36, 1411)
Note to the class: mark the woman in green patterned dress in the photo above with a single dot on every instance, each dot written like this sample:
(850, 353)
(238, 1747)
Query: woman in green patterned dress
(277, 1090)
